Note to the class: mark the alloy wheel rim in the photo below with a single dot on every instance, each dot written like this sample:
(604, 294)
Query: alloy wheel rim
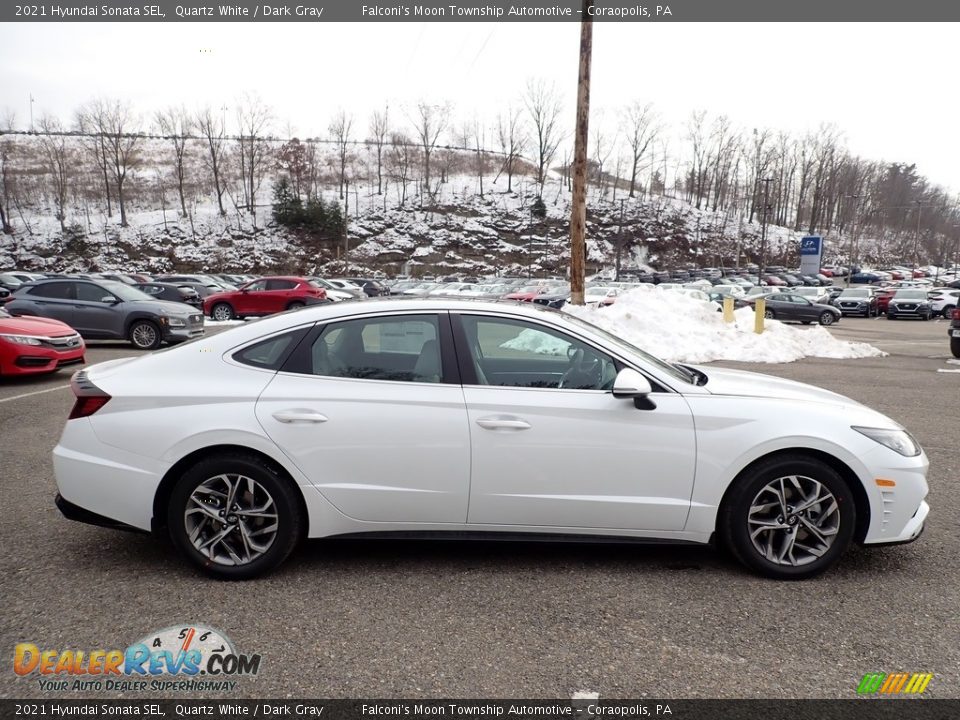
(144, 335)
(221, 313)
(793, 520)
(231, 519)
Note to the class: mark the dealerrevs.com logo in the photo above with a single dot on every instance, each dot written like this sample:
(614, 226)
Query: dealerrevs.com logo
(188, 658)
(894, 683)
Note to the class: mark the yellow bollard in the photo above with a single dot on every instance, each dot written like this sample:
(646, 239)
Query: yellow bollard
(728, 309)
(759, 308)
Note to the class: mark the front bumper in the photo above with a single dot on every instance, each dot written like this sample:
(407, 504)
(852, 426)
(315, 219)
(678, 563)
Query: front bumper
(181, 334)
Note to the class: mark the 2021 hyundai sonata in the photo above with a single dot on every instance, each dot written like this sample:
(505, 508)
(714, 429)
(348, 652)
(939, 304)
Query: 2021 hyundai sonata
(425, 416)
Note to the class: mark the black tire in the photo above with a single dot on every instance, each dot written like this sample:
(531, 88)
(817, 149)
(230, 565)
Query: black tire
(145, 335)
(290, 521)
(221, 312)
(955, 347)
(890, 316)
(732, 519)
(295, 305)
(947, 310)
(926, 316)
(826, 318)
(769, 314)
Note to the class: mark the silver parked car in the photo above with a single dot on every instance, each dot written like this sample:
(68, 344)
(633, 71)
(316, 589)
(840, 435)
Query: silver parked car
(109, 310)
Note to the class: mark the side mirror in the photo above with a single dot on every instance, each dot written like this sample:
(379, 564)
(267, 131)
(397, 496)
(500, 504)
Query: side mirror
(109, 300)
(630, 384)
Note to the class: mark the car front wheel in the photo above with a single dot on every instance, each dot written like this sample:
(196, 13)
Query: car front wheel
(955, 347)
(234, 516)
(826, 318)
(789, 518)
(222, 312)
(145, 335)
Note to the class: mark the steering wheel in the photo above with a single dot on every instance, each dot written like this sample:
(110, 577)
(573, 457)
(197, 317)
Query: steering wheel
(583, 373)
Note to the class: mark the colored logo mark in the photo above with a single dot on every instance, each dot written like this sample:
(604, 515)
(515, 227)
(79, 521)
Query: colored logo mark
(894, 683)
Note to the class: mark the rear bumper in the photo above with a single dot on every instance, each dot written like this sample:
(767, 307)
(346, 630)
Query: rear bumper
(79, 514)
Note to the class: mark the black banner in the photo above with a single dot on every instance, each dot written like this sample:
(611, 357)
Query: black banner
(862, 709)
(319, 11)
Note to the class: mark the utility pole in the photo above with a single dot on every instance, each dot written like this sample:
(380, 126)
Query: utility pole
(763, 230)
(619, 240)
(578, 213)
(31, 111)
(853, 237)
(916, 239)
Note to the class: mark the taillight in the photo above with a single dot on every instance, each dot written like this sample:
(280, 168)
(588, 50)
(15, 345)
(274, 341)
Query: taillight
(90, 398)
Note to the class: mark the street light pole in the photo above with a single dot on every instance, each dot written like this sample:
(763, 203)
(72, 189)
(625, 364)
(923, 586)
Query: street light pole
(853, 236)
(916, 239)
(763, 230)
(619, 241)
(578, 211)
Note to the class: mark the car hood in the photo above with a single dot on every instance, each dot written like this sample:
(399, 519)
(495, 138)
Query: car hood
(723, 381)
(36, 326)
(168, 307)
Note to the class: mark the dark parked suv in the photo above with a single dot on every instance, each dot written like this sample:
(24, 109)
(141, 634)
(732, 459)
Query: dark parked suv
(857, 301)
(955, 333)
(109, 310)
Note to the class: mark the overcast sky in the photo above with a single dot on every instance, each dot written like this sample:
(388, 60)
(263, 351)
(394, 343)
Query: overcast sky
(889, 88)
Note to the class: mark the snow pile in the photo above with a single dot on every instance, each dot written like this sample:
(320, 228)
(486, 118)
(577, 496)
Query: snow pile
(676, 327)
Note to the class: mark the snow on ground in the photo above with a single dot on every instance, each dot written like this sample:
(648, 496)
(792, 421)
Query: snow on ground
(675, 327)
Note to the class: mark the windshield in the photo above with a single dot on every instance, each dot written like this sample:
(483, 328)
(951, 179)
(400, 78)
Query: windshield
(124, 292)
(911, 295)
(855, 292)
(674, 371)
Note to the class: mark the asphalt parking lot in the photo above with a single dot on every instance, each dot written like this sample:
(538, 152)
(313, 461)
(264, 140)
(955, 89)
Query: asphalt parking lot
(466, 619)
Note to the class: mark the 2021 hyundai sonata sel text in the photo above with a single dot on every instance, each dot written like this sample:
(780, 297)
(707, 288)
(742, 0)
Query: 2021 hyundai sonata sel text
(432, 415)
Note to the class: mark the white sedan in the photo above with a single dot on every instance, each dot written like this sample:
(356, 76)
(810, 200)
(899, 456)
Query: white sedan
(441, 415)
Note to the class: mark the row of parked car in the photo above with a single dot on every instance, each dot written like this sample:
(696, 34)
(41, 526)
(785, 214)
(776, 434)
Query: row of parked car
(46, 317)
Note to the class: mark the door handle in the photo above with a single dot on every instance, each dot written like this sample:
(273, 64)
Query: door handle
(494, 423)
(299, 416)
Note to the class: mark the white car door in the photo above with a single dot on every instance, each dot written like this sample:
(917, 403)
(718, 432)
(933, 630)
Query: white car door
(552, 447)
(367, 410)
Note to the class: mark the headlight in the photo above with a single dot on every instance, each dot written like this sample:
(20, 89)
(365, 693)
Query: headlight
(899, 441)
(177, 322)
(20, 339)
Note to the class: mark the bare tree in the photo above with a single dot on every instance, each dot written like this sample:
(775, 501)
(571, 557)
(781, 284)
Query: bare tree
(602, 147)
(430, 122)
(480, 160)
(8, 120)
(512, 141)
(379, 132)
(401, 159)
(292, 159)
(340, 128)
(89, 121)
(253, 119)
(57, 163)
(117, 125)
(639, 126)
(212, 129)
(544, 105)
(176, 126)
(699, 169)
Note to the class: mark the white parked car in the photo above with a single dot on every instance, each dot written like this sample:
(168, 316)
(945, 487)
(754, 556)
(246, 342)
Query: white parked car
(813, 294)
(446, 415)
(944, 300)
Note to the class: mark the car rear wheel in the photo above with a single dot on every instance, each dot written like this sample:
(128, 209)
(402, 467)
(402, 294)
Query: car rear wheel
(145, 335)
(769, 314)
(948, 311)
(295, 305)
(955, 347)
(222, 312)
(789, 518)
(826, 318)
(234, 516)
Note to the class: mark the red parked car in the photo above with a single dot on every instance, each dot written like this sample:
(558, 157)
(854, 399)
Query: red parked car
(34, 345)
(526, 294)
(264, 296)
(883, 299)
